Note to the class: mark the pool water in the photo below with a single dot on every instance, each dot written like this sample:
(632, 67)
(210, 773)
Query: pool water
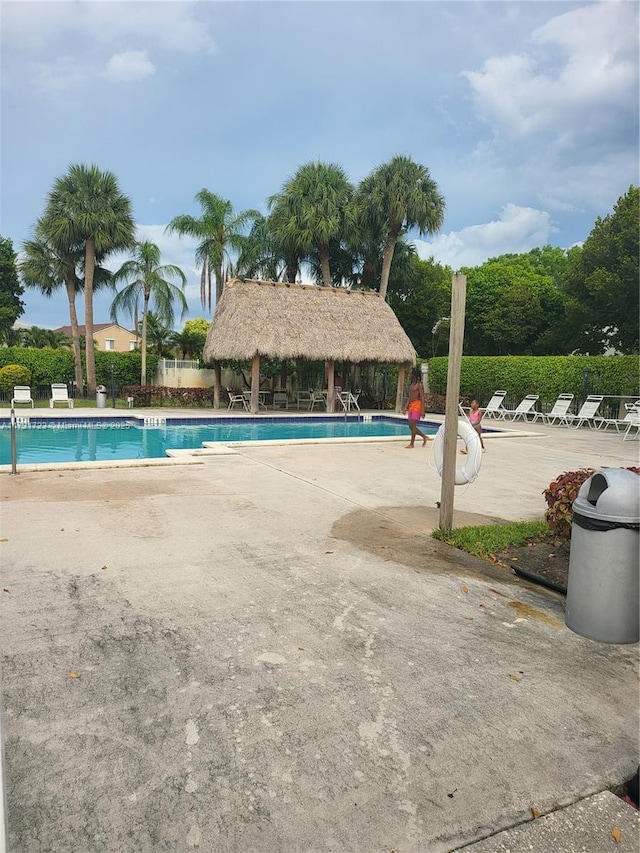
(44, 441)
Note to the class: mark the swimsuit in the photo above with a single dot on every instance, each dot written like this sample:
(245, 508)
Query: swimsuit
(415, 410)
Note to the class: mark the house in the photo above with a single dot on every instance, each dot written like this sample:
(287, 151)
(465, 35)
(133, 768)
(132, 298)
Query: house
(108, 337)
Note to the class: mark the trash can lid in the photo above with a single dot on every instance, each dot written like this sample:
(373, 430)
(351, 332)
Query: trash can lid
(101, 388)
(611, 494)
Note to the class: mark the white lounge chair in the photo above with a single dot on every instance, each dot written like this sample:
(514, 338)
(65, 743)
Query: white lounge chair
(235, 398)
(557, 412)
(21, 394)
(621, 424)
(633, 409)
(587, 414)
(494, 408)
(60, 394)
(523, 408)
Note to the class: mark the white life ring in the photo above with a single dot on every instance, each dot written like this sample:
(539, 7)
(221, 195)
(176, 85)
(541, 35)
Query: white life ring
(469, 471)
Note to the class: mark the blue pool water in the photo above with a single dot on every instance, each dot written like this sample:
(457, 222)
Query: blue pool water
(69, 440)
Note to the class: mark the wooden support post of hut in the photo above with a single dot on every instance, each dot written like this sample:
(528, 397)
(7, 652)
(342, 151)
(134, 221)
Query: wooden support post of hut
(267, 319)
(400, 388)
(255, 384)
(331, 387)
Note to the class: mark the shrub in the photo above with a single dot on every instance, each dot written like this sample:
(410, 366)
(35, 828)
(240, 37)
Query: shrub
(14, 374)
(560, 496)
(154, 395)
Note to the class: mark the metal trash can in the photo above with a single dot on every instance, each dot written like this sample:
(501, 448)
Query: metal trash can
(101, 397)
(602, 589)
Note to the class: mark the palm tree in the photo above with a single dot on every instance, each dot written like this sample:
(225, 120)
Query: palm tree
(147, 281)
(218, 230)
(86, 208)
(189, 343)
(45, 269)
(313, 209)
(398, 196)
(159, 336)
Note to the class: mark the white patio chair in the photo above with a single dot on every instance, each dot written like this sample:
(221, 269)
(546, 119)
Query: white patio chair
(522, 410)
(348, 401)
(280, 400)
(494, 408)
(317, 398)
(557, 412)
(303, 398)
(21, 394)
(235, 399)
(587, 414)
(60, 394)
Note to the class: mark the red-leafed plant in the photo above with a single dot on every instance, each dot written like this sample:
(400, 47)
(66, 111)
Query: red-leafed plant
(560, 496)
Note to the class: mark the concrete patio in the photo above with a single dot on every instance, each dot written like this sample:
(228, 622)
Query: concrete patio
(264, 650)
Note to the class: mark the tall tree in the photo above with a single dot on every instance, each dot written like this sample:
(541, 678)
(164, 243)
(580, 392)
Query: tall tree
(46, 270)
(11, 306)
(85, 206)
(421, 299)
(219, 230)
(313, 209)
(511, 305)
(146, 280)
(398, 196)
(602, 280)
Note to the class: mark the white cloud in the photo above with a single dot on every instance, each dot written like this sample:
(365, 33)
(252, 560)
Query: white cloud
(129, 66)
(518, 230)
(34, 34)
(582, 71)
(170, 26)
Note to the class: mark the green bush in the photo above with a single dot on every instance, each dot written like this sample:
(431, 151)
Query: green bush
(560, 496)
(154, 395)
(14, 374)
(45, 365)
(547, 376)
(56, 365)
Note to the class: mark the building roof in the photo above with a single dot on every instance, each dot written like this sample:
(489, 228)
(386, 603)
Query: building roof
(97, 327)
(289, 321)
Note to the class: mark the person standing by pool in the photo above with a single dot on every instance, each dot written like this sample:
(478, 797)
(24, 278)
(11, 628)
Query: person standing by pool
(475, 416)
(415, 407)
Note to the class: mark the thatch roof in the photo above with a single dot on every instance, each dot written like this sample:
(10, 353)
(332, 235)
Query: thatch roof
(289, 321)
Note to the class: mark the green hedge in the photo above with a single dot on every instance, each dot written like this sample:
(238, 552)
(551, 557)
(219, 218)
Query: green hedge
(56, 365)
(546, 376)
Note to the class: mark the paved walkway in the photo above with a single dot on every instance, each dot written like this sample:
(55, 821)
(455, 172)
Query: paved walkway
(266, 651)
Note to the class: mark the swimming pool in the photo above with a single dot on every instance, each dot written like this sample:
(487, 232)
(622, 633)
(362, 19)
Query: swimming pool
(45, 440)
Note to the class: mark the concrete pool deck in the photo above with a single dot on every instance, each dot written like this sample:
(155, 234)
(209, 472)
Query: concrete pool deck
(265, 650)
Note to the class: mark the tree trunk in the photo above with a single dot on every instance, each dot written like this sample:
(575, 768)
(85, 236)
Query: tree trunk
(70, 284)
(387, 257)
(219, 285)
(90, 355)
(292, 270)
(324, 266)
(143, 343)
(217, 381)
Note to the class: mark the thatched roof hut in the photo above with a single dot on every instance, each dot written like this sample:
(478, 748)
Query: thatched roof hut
(288, 321)
(269, 319)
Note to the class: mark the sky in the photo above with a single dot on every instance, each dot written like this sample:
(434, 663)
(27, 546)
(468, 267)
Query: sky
(525, 113)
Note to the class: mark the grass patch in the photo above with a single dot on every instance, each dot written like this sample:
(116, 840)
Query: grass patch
(488, 539)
